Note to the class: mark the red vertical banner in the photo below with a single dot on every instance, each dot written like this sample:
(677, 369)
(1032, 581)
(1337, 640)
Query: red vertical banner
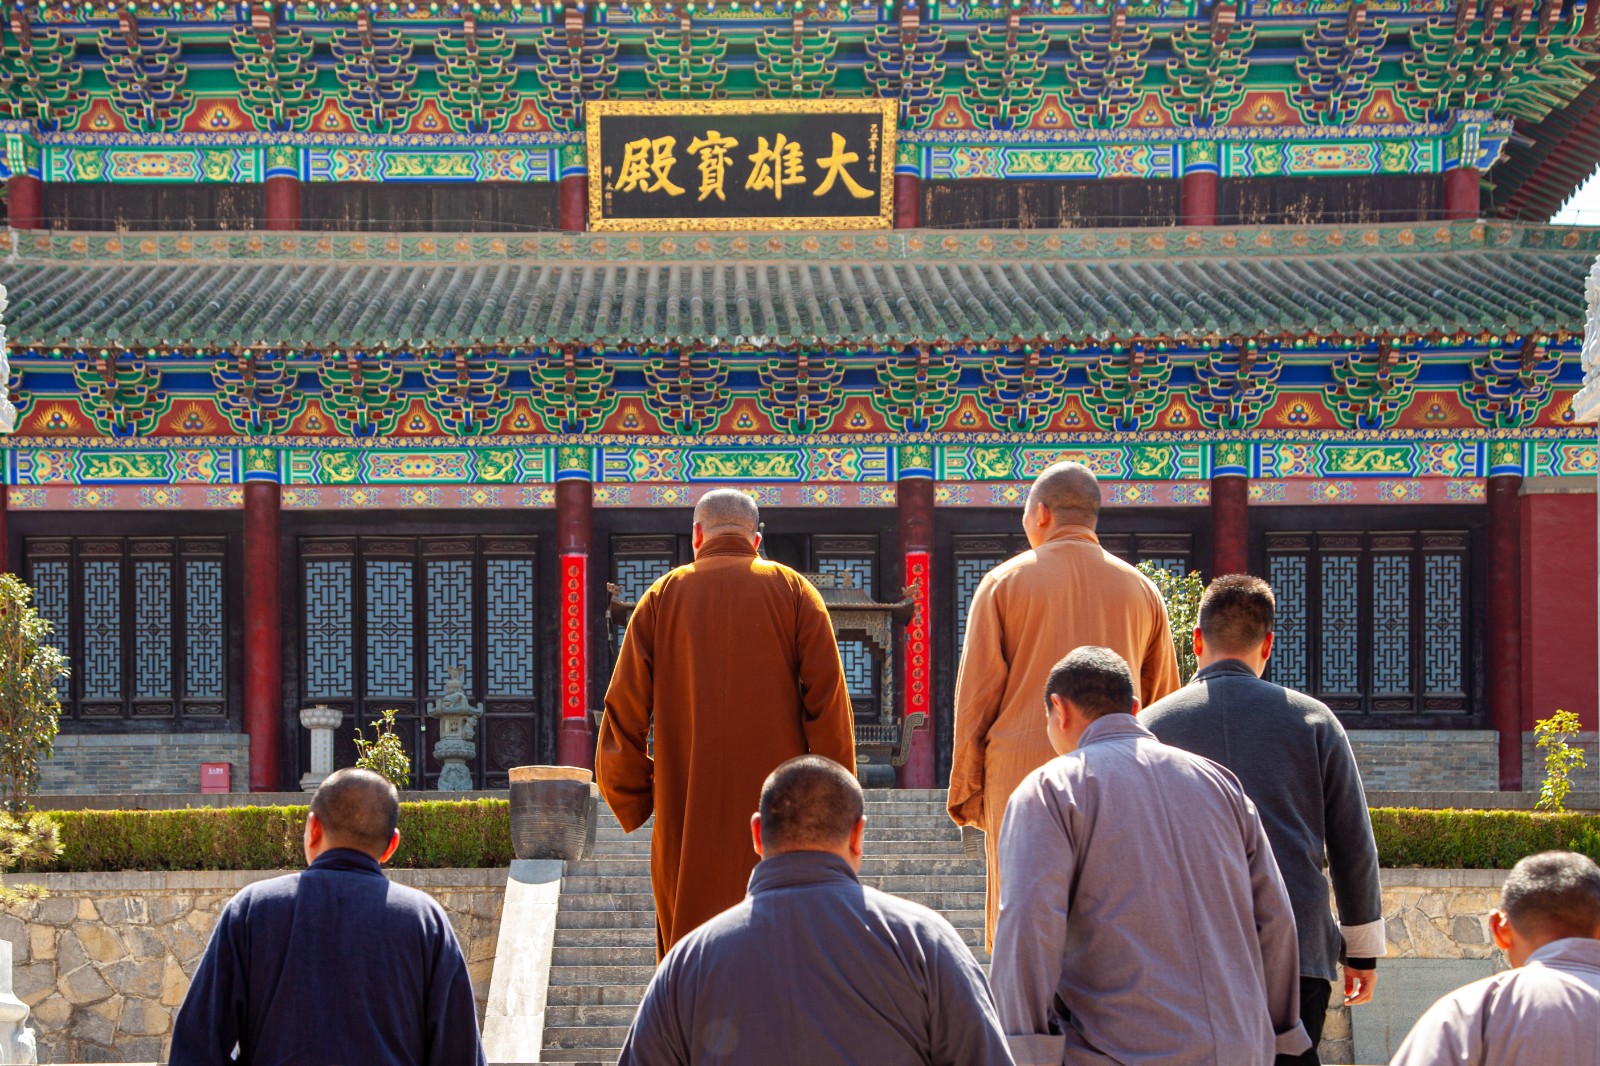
(574, 643)
(918, 770)
(574, 741)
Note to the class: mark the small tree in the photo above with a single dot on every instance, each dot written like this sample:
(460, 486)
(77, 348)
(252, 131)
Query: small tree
(1181, 593)
(30, 666)
(384, 754)
(1560, 758)
(30, 706)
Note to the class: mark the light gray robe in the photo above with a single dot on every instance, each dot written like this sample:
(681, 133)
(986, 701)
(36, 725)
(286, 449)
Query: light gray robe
(1546, 1013)
(1139, 889)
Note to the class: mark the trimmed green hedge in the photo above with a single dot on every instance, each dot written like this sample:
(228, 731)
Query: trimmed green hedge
(1477, 840)
(471, 834)
(477, 833)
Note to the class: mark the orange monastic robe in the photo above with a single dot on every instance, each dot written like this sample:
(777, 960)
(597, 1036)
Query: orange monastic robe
(734, 660)
(1027, 613)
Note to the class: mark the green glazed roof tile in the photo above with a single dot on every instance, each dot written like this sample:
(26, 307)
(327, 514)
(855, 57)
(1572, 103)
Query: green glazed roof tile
(823, 290)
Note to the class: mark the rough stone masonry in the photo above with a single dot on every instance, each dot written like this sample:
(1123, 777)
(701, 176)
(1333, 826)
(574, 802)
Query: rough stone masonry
(106, 960)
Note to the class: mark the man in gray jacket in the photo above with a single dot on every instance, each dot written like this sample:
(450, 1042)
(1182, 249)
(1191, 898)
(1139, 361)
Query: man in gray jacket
(1294, 760)
(813, 967)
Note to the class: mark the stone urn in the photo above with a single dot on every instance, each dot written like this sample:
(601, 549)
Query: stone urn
(554, 811)
(322, 721)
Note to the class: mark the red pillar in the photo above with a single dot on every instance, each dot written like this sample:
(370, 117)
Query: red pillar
(575, 201)
(263, 635)
(907, 199)
(914, 496)
(1460, 194)
(25, 202)
(1197, 198)
(1230, 525)
(1505, 624)
(283, 202)
(5, 530)
(574, 532)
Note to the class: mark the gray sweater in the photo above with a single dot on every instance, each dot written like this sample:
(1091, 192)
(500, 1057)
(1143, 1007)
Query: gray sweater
(1292, 757)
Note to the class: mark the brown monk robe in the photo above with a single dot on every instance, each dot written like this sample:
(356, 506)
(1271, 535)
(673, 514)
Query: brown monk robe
(1027, 614)
(733, 658)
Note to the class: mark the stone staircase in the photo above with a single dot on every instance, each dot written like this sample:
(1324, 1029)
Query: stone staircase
(605, 928)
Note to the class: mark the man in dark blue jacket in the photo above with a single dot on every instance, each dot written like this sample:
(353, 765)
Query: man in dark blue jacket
(336, 966)
(813, 967)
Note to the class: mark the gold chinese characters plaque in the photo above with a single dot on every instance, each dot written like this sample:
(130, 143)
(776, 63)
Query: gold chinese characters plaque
(747, 164)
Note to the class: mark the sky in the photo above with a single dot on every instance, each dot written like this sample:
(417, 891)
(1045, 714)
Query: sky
(1584, 207)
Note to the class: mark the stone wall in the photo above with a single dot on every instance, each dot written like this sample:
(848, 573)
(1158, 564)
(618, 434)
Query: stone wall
(142, 762)
(1463, 760)
(1428, 915)
(106, 960)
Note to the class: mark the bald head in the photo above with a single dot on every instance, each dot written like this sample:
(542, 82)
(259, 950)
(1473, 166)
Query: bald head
(724, 511)
(358, 809)
(1070, 492)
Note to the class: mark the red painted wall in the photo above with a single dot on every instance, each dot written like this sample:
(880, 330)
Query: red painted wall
(1560, 634)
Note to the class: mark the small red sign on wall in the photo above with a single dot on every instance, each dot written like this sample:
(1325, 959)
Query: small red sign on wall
(216, 777)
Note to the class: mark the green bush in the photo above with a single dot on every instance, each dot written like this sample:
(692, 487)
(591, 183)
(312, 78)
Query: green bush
(472, 833)
(477, 833)
(1472, 840)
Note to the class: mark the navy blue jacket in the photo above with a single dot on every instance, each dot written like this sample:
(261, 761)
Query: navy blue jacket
(336, 966)
(814, 969)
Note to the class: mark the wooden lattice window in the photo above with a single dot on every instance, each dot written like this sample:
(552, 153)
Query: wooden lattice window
(141, 620)
(1373, 623)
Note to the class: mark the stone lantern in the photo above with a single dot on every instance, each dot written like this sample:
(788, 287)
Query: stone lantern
(322, 721)
(457, 730)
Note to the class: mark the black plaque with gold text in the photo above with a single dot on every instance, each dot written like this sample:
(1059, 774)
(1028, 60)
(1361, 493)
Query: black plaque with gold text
(758, 164)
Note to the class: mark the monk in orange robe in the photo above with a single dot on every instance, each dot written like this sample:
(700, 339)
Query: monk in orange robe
(1028, 613)
(733, 660)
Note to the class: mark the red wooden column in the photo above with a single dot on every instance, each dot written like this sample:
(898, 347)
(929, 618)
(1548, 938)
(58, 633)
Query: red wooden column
(914, 497)
(1197, 191)
(5, 529)
(1461, 199)
(25, 202)
(263, 634)
(573, 195)
(283, 202)
(1230, 524)
(908, 190)
(1505, 622)
(574, 534)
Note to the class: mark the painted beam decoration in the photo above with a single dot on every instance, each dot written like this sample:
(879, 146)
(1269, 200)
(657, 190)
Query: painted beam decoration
(747, 165)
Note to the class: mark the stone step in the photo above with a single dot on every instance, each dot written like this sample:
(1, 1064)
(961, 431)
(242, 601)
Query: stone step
(607, 936)
(879, 841)
(871, 866)
(639, 901)
(602, 975)
(888, 818)
(588, 1056)
(585, 1036)
(590, 1015)
(595, 996)
(568, 919)
(603, 954)
(895, 884)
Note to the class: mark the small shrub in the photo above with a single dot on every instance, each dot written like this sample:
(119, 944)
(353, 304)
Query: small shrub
(1181, 593)
(1560, 758)
(433, 835)
(384, 754)
(1472, 840)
